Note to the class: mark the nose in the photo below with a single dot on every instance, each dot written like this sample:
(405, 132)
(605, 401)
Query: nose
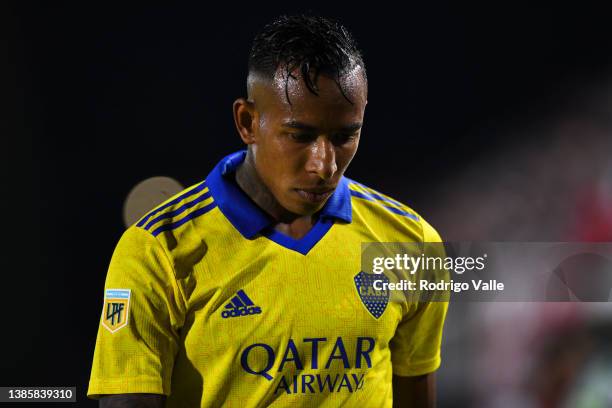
(322, 158)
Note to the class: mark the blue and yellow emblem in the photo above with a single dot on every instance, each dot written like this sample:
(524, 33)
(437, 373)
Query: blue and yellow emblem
(374, 300)
(116, 309)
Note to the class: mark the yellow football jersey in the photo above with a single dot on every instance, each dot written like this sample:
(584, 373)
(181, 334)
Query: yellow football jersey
(206, 303)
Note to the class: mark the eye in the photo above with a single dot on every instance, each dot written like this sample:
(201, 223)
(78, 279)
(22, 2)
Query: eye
(342, 138)
(301, 137)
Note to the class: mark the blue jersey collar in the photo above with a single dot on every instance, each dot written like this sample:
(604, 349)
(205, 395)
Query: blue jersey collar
(246, 216)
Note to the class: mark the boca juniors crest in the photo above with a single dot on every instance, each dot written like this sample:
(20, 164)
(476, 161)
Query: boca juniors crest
(374, 300)
(116, 309)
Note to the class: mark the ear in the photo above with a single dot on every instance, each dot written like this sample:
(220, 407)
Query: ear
(245, 119)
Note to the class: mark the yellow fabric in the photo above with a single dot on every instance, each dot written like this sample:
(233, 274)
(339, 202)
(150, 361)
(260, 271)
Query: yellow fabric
(177, 343)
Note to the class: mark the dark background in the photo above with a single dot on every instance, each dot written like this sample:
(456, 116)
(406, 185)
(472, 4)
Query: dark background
(103, 96)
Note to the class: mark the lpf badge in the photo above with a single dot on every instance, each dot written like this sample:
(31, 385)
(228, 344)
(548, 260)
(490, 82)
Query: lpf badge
(375, 300)
(116, 309)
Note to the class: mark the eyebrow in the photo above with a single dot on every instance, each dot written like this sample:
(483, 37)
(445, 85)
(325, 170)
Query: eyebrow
(353, 127)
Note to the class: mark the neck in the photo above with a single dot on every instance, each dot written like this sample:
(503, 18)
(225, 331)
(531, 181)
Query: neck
(248, 180)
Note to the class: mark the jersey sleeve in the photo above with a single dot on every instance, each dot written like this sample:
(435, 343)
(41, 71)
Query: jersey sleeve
(415, 347)
(143, 311)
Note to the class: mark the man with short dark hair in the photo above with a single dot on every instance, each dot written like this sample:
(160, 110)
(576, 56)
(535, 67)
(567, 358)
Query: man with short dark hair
(246, 289)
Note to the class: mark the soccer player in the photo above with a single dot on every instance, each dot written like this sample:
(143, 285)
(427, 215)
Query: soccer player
(246, 290)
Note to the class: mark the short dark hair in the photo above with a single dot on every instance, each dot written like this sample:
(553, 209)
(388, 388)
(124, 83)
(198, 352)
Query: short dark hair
(315, 45)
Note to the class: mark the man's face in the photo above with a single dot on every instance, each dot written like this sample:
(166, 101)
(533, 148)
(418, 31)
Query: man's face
(302, 149)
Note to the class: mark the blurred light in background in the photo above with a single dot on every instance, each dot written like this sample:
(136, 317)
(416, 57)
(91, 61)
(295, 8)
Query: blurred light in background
(146, 195)
(550, 180)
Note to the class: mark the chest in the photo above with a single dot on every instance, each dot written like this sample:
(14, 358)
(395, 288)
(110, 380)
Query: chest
(260, 292)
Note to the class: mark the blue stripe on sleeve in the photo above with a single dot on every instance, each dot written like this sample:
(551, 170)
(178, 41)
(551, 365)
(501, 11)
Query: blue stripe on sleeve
(377, 196)
(179, 210)
(369, 197)
(171, 203)
(190, 216)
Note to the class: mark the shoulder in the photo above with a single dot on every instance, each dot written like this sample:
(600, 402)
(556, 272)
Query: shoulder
(171, 232)
(385, 213)
(190, 204)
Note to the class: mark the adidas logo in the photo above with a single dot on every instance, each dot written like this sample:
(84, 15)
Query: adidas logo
(240, 305)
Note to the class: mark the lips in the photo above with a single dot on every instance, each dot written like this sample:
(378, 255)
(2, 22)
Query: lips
(315, 195)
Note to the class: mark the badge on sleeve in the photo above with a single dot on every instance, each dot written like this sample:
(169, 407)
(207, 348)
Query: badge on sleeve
(116, 309)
